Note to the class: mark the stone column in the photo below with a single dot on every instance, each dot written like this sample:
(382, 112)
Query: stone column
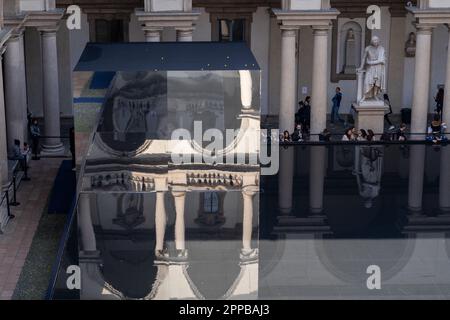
(51, 93)
(446, 108)
(160, 221)
(421, 81)
(288, 84)
(15, 94)
(153, 34)
(286, 180)
(316, 179)
(319, 94)
(180, 197)
(88, 241)
(247, 223)
(3, 142)
(416, 174)
(184, 34)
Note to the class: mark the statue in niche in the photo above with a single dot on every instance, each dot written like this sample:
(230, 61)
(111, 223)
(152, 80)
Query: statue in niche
(410, 46)
(374, 66)
(350, 53)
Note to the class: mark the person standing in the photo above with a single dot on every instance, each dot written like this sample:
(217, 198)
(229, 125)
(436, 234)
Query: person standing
(35, 136)
(439, 101)
(336, 105)
(386, 116)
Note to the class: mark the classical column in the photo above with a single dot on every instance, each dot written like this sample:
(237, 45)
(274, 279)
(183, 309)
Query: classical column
(247, 223)
(180, 197)
(421, 81)
(153, 34)
(15, 94)
(184, 34)
(416, 175)
(446, 108)
(288, 83)
(3, 144)
(319, 82)
(285, 180)
(316, 179)
(88, 241)
(160, 221)
(51, 92)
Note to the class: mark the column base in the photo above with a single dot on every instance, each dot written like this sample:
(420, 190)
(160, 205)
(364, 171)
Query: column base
(53, 150)
(413, 211)
(285, 211)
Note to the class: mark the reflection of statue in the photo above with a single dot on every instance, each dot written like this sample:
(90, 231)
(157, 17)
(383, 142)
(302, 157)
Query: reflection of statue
(368, 170)
(350, 53)
(410, 46)
(374, 65)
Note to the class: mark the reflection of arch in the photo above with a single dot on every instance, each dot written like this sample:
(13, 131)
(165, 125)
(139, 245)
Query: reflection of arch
(356, 47)
(274, 247)
(330, 253)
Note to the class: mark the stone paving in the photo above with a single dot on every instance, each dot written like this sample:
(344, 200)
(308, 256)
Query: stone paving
(18, 236)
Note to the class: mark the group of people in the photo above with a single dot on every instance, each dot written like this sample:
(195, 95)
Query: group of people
(20, 152)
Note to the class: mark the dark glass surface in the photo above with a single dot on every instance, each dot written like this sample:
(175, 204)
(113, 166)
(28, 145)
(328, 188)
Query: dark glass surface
(384, 206)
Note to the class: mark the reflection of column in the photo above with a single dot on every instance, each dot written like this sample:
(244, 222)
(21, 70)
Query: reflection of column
(288, 80)
(316, 179)
(184, 34)
(319, 82)
(247, 223)
(51, 92)
(180, 197)
(421, 81)
(160, 221)
(85, 223)
(3, 143)
(416, 174)
(285, 180)
(446, 108)
(444, 179)
(153, 34)
(15, 82)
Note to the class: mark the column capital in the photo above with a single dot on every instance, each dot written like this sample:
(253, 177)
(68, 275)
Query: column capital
(321, 30)
(48, 31)
(424, 28)
(178, 194)
(250, 191)
(289, 31)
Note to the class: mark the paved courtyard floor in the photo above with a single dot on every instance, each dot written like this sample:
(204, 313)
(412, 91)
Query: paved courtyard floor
(16, 241)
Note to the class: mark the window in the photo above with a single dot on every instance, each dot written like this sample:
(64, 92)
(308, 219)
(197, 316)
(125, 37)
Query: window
(109, 30)
(210, 202)
(231, 30)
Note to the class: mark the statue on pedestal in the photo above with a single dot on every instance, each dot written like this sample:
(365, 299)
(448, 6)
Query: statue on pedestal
(374, 67)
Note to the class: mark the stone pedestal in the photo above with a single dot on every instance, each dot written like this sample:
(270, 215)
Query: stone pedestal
(370, 115)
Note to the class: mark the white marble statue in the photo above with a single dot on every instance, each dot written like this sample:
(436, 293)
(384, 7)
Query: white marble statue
(374, 66)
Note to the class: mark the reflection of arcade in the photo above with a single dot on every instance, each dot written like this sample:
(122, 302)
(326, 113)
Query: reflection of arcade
(331, 258)
(368, 167)
(126, 178)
